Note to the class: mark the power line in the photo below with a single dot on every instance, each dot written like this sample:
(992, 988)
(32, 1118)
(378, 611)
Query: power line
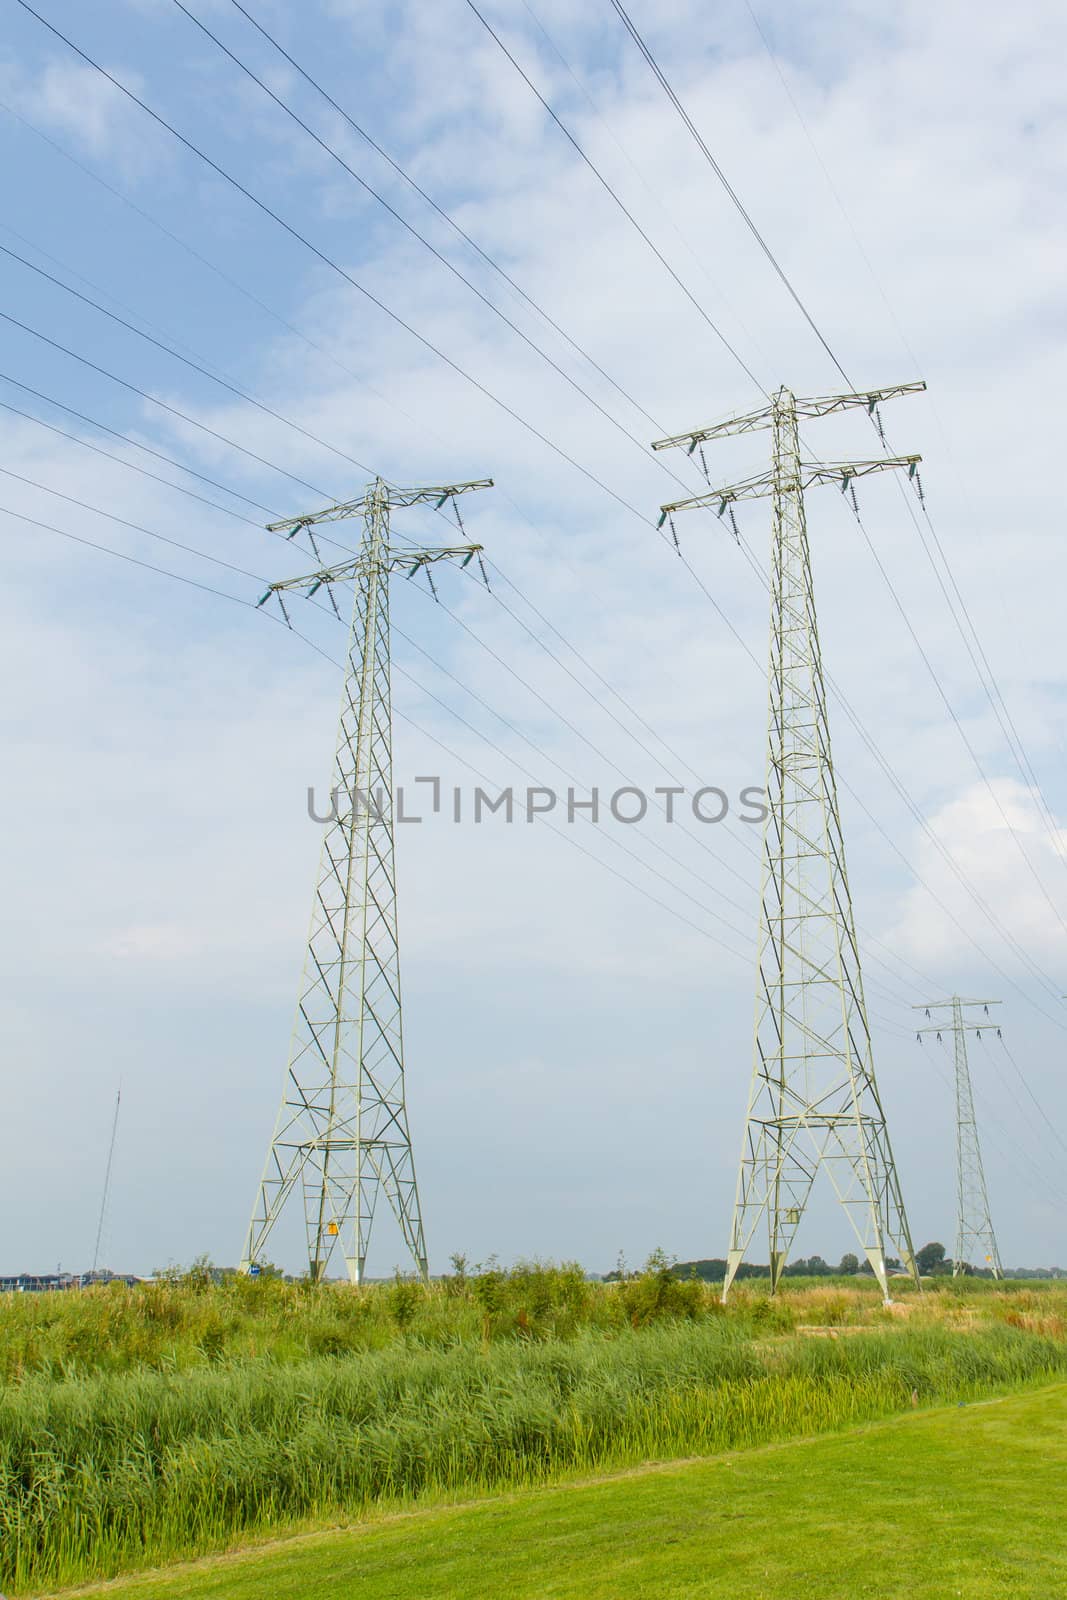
(548, 704)
(765, 247)
(120, 555)
(154, 399)
(261, 205)
(73, 438)
(600, 753)
(716, 330)
(574, 677)
(996, 1135)
(489, 259)
(657, 198)
(99, 511)
(270, 311)
(396, 215)
(188, 361)
(1000, 710)
(288, 228)
(968, 746)
(993, 693)
(239, 447)
(485, 256)
(221, 594)
(679, 915)
(276, 316)
(133, 467)
(136, 444)
(620, 427)
(178, 577)
(612, 837)
(137, 527)
(793, 293)
(830, 183)
(887, 1022)
(204, 261)
(741, 838)
(920, 817)
(1021, 759)
(730, 190)
(335, 266)
(204, 555)
(1038, 1107)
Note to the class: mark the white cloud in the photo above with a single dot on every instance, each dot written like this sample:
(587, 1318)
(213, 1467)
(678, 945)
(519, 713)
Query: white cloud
(74, 99)
(169, 739)
(1010, 857)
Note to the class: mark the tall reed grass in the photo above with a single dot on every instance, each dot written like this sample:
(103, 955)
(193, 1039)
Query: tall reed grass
(110, 1470)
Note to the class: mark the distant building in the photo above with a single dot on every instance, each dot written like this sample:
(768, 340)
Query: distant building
(50, 1282)
(38, 1282)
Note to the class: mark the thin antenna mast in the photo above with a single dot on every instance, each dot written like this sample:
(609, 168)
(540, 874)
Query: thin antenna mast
(107, 1178)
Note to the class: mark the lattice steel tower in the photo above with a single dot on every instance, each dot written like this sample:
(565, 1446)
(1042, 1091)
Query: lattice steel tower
(342, 1131)
(974, 1225)
(814, 1100)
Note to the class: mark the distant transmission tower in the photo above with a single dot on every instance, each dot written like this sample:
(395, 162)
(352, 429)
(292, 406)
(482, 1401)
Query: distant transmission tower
(814, 1100)
(975, 1239)
(342, 1131)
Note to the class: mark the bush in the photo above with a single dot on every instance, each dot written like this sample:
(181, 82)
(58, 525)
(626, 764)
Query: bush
(656, 1293)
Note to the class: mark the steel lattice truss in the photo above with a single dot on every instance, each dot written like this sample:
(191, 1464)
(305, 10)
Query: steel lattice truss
(814, 1099)
(976, 1243)
(342, 1131)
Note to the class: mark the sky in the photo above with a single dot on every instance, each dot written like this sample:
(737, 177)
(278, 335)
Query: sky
(578, 998)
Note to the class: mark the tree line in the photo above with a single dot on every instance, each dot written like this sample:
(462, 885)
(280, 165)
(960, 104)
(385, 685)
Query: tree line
(932, 1260)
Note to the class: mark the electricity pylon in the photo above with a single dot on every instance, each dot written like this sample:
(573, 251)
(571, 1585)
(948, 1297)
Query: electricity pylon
(342, 1129)
(974, 1225)
(814, 1100)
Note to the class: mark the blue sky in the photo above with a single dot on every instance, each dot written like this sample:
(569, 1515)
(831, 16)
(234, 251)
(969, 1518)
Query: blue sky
(578, 1054)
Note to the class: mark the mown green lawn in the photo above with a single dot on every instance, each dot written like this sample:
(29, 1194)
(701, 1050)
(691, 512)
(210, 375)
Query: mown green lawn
(968, 1501)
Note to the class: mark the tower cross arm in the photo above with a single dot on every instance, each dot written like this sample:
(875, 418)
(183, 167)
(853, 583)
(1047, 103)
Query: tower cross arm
(436, 495)
(409, 561)
(383, 494)
(718, 499)
(822, 405)
(750, 422)
(958, 1022)
(935, 1005)
(950, 1027)
(811, 472)
(814, 406)
(843, 472)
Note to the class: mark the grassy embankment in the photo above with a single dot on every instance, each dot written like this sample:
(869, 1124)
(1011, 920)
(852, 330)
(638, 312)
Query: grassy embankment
(950, 1502)
(148, 1425)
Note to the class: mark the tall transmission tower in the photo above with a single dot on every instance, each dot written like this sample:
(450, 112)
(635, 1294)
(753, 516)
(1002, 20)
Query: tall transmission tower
(814, 1100)
(342, 1130)
(975, 1239)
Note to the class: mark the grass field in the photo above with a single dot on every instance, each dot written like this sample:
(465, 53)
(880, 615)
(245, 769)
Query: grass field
(154, 1425)
(961, 1501)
